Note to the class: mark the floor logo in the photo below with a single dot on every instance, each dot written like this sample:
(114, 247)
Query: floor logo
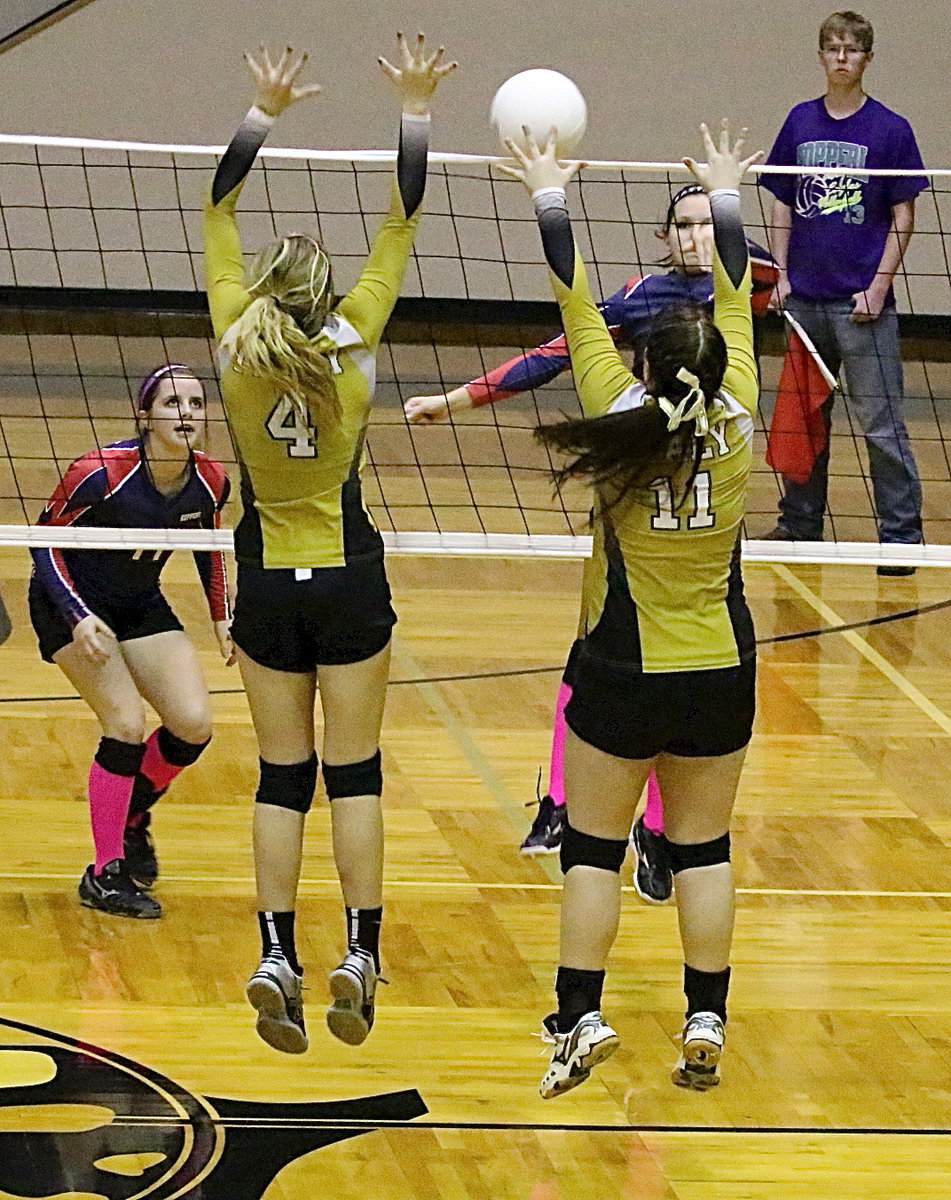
(77, 1120)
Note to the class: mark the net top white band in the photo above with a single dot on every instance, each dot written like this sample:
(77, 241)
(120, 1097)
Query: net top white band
(388, 156)
(472, 545)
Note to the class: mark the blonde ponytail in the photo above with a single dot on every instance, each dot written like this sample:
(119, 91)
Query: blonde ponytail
(275, 337)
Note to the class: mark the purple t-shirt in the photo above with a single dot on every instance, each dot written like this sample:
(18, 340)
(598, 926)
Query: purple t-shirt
(840, 222)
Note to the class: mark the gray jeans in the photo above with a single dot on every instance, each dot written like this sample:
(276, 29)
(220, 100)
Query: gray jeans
(870, 355)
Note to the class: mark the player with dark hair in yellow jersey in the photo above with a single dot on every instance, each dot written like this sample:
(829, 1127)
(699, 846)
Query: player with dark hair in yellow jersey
(313, 605)
(665, 676)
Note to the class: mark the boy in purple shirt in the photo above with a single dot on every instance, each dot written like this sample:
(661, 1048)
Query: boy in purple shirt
(839, 241)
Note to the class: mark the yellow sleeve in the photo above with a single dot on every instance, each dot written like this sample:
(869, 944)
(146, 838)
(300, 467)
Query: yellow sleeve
(734, 318)
(224, 263)
(599, 371)
(368, 306)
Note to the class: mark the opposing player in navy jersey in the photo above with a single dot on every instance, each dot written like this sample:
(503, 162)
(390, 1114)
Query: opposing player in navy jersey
(686, 235)
(101, 617)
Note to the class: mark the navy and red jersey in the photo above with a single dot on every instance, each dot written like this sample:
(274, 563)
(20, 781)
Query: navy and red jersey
(628, 314)
(112, 488)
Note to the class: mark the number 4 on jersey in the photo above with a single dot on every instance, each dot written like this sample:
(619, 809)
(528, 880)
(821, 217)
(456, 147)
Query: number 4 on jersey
(285, 424)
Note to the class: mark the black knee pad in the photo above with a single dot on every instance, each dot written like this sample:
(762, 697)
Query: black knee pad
(701, 854)
(290, 787)
(354, 779)
(583, 850)
(176, 750)
(120, 758)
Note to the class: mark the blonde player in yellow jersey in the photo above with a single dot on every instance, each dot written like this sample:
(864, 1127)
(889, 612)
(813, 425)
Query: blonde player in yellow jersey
(666, 673)
(313, 606)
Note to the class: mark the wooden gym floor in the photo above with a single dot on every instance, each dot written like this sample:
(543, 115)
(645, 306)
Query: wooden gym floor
(130, 1046)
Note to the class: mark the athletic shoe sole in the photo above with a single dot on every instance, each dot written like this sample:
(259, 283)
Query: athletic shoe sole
(648, 899)
(91, 901)
(583, 1067)
(697, 1068)
(274, 1026)
(643, 895)
(535, 851)
(146, 880)
(345, 1018)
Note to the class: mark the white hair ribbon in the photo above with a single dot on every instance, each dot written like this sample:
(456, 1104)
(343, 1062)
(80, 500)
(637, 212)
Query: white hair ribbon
(691, 408)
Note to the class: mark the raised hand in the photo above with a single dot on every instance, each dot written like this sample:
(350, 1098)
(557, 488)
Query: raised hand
(418, 75)
(276, 83)
(537, 167)
(724, 167)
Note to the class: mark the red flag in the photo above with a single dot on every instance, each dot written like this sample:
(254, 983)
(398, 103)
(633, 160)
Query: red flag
(797, 435)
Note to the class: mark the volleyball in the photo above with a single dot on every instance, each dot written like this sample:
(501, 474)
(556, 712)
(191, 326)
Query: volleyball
(540, 99)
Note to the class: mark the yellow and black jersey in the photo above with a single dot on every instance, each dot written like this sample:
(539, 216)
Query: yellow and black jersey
(300, 475)
(664, 591)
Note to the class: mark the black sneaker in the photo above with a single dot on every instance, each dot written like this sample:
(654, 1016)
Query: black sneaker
(895, 570)
(547, 829)
(653, 878)
(140, 853)
(114, 891)
(782, 534)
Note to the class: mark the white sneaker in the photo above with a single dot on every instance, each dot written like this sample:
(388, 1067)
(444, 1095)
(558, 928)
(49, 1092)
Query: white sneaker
(590, 1042)
(699, 1066)
(353, 987)
(275, 990)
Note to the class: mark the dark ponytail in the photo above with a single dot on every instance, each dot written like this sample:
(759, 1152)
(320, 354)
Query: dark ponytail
(622, 453)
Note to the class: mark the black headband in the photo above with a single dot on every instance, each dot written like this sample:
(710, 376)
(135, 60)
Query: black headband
(691, 189)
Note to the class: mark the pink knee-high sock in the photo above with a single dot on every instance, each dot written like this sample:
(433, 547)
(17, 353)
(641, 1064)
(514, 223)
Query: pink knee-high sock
(556, 772)
(109, 797)
(155, 766)
(654, 812)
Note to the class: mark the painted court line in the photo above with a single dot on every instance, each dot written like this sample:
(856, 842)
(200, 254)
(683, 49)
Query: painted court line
(514, 812)
(891, 673)
(496, 886)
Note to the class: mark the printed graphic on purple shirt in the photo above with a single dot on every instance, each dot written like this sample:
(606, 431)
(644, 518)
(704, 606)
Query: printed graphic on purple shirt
(840, 223)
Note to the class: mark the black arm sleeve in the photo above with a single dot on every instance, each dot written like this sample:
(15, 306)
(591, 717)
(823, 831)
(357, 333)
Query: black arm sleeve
(729, 235)
(239, 158)
(411, 161)
(551, 211)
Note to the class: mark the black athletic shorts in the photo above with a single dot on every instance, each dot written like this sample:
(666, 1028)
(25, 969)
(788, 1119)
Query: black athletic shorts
(630, 714)
(334, 616)
(149, 614)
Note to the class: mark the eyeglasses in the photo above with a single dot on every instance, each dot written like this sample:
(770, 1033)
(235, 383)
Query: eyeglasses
(851, 51)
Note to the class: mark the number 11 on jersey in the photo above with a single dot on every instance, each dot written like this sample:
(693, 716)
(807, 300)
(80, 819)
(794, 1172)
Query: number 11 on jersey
(666, 517)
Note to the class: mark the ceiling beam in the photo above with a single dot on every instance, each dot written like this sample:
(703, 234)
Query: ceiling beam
(21, 19)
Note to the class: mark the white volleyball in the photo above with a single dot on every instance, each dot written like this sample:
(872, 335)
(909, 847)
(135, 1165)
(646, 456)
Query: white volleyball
(540, 99)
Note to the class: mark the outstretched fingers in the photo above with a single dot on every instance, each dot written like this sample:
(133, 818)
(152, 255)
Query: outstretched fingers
(419, 70)
(749, 162)
(512, 170)
(516, 151)
(388, 69)
(531, 146)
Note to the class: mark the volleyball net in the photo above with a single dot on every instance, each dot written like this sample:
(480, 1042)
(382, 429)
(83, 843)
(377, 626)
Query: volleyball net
(101, 280)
